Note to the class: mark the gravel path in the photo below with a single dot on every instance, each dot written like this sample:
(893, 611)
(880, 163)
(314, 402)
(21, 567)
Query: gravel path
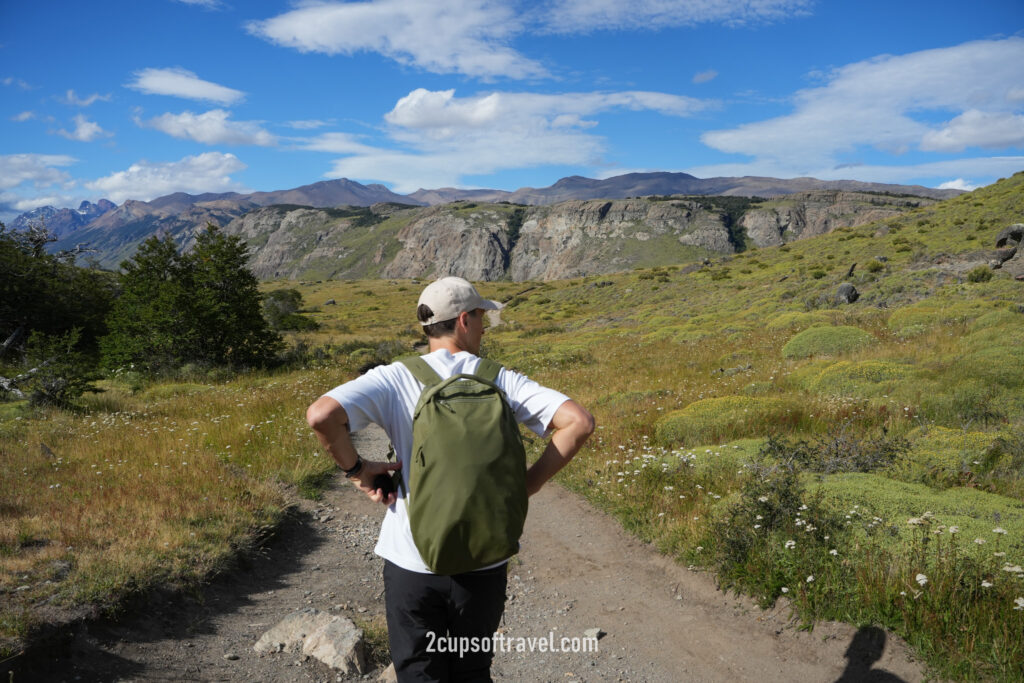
(577, 571)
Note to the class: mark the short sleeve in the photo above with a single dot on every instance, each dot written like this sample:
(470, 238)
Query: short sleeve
(365, 399)
(534, 405)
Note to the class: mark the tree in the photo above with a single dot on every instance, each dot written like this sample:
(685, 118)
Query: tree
(47, 293)
(199, 307)
(281, 309)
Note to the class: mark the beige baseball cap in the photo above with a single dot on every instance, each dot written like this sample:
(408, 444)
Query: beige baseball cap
(450, 296)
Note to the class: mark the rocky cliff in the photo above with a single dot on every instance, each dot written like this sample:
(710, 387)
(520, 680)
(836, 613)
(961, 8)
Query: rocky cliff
(807, 214)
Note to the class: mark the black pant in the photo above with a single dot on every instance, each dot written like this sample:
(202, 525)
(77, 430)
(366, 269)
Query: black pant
(424, 607)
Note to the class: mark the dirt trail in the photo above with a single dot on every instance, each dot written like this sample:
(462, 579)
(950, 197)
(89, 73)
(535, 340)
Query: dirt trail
(577, 570)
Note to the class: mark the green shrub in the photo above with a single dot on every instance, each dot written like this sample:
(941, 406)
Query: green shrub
(874, 266)
(980, 274)
(714, 420)
(863, 378)
(818, 341)
(943, 457)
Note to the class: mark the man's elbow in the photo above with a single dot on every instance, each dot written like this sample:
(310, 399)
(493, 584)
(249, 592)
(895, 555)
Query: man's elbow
(582, 421)
(323, 412)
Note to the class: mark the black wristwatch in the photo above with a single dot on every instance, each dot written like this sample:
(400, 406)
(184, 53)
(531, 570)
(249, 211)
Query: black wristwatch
(355, 468)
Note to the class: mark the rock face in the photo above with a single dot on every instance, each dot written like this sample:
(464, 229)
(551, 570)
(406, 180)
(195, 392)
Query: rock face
(807, 214)
(587, 237)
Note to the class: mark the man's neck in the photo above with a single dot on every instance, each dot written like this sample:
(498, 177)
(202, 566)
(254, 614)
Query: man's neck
(450, 344)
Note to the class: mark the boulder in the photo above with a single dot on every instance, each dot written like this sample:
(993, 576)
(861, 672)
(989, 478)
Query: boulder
(1011, 236)
(846, 293)
(334, 640)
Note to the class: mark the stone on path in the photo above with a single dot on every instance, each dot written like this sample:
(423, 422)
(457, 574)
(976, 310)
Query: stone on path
(334, 640)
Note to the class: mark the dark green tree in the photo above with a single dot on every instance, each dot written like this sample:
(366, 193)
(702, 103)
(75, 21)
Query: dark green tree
(47, 293)
(281, 309)
(199, 307)
(230, 324)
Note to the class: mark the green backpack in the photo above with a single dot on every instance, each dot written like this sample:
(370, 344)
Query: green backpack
(467, 499)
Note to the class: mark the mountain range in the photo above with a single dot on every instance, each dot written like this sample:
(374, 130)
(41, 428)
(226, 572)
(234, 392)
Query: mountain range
(113, 233)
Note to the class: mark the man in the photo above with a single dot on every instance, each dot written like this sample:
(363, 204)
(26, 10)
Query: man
(422, 606)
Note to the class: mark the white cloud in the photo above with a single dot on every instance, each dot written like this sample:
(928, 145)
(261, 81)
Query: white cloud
(85, 130)
(978, 167)
(973, 128)
(958, 184)
(705, 76)
(336, 143)
(71, 98)
(208, 172)
(206, 4)
(179, 82)
(575, 16)
(211, 128)
(440, 138)
(456, 36)
(308, 124)
(33, 169)
(10, 80)
(24, 116)
(882, 103)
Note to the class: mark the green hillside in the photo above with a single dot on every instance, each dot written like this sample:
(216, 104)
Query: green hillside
(861, 461)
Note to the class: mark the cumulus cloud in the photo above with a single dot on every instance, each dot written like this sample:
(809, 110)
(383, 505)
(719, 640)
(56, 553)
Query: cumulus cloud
(24, 116)
(211, 128)
(144, 180)
(575, 16)
(973, 128)
(440, 138)
(85, 130)
(179, 82)
(456, 36)
(33, 169)
(881, 103)
(71, 98)
(958, 184)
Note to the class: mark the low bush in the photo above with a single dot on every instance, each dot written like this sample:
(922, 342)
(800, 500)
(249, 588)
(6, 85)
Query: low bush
(714, 420)
(827, 341)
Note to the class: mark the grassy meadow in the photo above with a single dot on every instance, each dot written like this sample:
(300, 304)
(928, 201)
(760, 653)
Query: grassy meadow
(863, 461)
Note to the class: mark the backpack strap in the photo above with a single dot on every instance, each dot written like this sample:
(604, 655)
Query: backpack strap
(488, 370)
(421, 370)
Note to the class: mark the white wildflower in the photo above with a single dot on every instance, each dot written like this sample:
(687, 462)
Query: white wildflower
(921, 579)
(810, 579)
(1020, 604)
(833, 552)
(999, 530)
(980, 541)
(986, 584)
(785, 590)
(790, 544)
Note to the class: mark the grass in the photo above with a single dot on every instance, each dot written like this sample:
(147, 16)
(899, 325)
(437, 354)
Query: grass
(687, 376)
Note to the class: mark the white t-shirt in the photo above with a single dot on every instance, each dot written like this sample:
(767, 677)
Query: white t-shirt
(387, 396)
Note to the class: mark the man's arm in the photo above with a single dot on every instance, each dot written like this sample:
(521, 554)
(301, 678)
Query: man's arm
(573, 424)
(329, 421)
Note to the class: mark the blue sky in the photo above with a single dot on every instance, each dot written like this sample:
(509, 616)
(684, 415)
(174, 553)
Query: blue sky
(136, 99)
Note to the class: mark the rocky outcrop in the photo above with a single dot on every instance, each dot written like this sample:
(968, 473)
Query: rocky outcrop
(808, 214)
(587, 237)
(442, 241)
